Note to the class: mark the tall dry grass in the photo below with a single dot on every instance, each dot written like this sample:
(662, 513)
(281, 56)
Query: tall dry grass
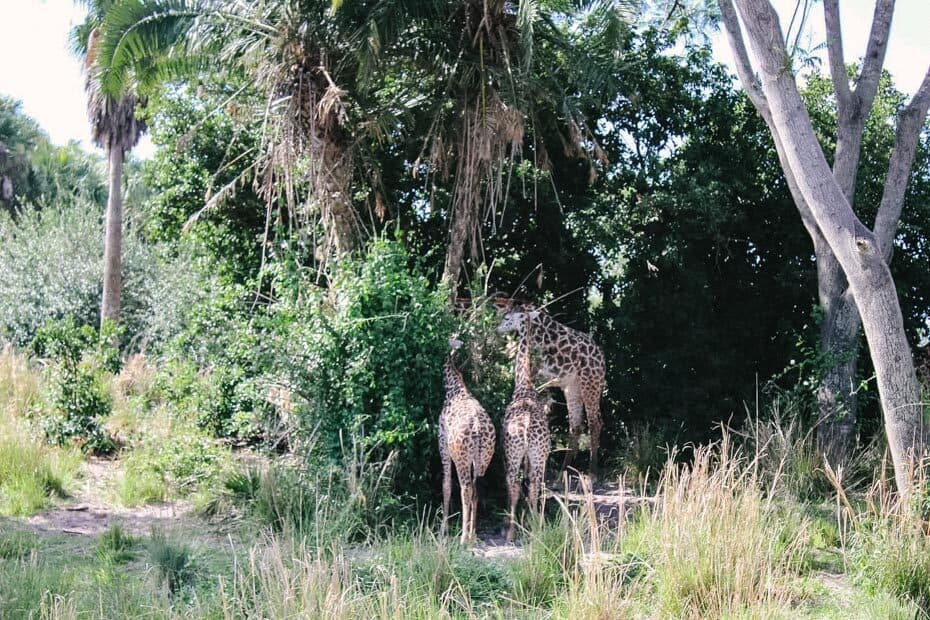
(31, 472)
(716, 541)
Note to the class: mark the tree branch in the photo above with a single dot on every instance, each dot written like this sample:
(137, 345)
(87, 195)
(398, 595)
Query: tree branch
(853, 110)
(741, 58)
(910, 122)
(754, 91)
(831, 16)
(867, 84)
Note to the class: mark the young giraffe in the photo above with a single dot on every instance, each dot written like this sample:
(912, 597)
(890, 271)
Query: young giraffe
(466, 438)
(526, 434)
(576, 364)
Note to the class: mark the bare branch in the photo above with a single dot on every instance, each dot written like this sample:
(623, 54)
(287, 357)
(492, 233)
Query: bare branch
(741, 58)
(867, 84)
(831, 16)
(910, 122)
(853, 108)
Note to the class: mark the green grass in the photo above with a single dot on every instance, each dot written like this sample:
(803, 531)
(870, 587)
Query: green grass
(115, 546)
(173, 562)
(729, 535)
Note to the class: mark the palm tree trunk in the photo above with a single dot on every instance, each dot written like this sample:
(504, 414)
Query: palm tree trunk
(113, 239)
(339, 217)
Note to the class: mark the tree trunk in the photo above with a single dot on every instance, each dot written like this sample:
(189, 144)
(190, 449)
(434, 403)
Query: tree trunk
(839, 335)
(462, 230)
(857, 250)
(113, 239)
(836, 394)
(339, 217)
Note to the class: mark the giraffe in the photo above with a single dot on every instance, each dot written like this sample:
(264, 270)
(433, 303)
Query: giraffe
(575, 363)
(526, 434)
(466, 438)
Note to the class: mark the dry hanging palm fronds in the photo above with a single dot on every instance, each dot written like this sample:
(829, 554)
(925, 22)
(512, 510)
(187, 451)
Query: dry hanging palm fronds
(491, 137)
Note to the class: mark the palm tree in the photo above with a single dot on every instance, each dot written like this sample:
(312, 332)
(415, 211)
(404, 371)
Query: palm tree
(487, 56)
(313, 62)
(112, 106)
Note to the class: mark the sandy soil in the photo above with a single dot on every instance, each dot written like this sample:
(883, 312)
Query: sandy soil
(89, 511)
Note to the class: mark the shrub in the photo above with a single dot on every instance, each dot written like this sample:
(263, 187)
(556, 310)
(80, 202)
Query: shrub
(53, 268)
(78, 398)
(365, 357)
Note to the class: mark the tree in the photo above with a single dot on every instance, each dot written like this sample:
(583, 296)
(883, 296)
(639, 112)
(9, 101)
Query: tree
(20, 136)
(823, 198)
(112, 106)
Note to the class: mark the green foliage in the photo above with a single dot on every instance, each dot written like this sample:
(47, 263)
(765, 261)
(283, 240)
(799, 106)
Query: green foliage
(438, 573)
(15, 545)
(346, 502)
(189, 167)
(31, 472)
(548, 563)
(367, 360)
(181, 462)
(79, 399)
(53, 266)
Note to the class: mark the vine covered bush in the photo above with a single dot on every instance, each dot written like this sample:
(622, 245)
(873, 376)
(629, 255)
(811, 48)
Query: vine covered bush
(365, 359)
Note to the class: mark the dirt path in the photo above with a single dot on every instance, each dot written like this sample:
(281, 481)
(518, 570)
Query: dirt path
(90, 511)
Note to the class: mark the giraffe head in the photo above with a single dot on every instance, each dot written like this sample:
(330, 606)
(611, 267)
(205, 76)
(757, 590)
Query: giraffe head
(516, 320)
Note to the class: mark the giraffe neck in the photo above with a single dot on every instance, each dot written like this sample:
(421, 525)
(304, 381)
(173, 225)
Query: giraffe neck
(523, 371)
(542, 330)
(452, 377)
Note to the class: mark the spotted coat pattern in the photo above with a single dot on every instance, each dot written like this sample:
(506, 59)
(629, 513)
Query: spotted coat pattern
(526, 435)
(575, 363)
(466, 439)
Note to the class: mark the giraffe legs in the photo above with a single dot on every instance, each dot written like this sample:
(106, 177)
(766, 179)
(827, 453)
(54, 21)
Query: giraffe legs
(592, 406)
(513, 495)
(536, 473)
(446, 493)
(469, 502)
(575, 416)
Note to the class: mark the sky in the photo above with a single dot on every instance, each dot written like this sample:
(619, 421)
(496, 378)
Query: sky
(39, 70)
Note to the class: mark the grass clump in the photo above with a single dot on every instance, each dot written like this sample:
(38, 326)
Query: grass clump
(177, 462)
(115, 546)
(889, 549)
(716, 546)
(15, 545)
(550, 557)
(31, 472)
(173, 562)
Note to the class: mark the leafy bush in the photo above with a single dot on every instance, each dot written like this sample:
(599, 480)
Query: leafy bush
(366, 356)
(78, 398)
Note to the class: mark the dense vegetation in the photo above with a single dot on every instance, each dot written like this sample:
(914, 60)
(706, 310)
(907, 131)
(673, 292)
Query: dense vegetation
(315, 225)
